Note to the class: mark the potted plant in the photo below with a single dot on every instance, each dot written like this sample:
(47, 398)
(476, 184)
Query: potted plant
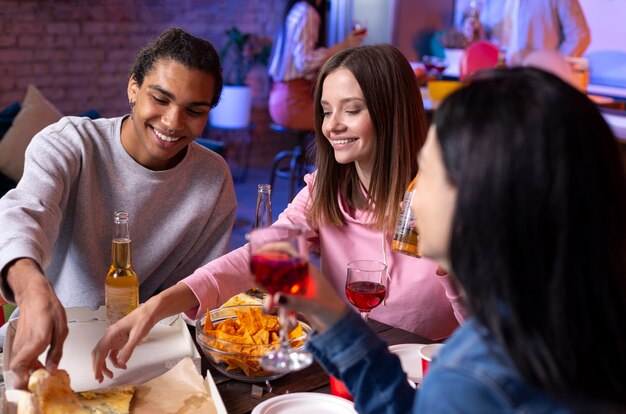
(454, 43)
(239, 55)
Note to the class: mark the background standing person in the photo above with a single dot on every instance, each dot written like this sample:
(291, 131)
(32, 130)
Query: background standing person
(369, 123)
(55, 245)
(522, 26)
(297, 56)
(522, 197)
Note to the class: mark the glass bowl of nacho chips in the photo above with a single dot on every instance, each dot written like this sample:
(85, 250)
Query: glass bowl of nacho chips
(234, 338)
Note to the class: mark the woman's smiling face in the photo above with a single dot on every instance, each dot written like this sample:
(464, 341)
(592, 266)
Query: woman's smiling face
(347, 124)
(170, 109)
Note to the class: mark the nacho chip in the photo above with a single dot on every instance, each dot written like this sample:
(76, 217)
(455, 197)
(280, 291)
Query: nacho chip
(258, 318)
(208, 324)
(296, 332)
(229, 326)
(247, 321)
(262, 337)
(271, 323)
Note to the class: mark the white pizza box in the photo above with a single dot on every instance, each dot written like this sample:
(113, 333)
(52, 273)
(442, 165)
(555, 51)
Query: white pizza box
(168, 342)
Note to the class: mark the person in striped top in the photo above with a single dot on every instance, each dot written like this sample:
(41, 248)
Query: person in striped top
(297, 56)
(520, 27)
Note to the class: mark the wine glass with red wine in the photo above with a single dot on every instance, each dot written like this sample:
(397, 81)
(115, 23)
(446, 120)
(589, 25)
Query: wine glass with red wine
(440, 66)
(366, 285)
(279, 263)
(359, 26)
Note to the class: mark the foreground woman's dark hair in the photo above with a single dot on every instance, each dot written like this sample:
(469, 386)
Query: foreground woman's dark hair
(539, 233)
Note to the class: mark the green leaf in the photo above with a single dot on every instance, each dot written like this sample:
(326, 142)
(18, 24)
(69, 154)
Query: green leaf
(240, 53)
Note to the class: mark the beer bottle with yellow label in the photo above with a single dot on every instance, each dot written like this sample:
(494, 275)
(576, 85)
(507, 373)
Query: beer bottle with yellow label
(121, 289)
(406, 239)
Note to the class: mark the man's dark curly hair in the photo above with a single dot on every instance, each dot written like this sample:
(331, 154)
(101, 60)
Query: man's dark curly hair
(190, 51)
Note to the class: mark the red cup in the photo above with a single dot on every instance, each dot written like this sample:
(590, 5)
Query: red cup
(339, 389)
(427, 353)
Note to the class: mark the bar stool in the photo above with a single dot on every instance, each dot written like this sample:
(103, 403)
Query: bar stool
(297, 166)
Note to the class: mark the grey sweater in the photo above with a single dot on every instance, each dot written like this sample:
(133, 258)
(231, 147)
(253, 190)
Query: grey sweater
(76, 175)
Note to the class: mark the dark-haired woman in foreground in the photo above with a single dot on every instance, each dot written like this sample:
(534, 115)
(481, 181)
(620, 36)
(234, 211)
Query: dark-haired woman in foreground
(522, 197)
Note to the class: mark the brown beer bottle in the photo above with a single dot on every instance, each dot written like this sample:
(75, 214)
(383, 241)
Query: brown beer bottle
(121, 288)
(406, 239)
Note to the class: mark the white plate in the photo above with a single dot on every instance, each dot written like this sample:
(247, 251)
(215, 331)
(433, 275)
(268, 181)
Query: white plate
(410, 359)
(305, 403)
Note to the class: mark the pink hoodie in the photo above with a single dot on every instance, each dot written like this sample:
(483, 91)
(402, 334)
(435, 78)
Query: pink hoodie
(418, 300)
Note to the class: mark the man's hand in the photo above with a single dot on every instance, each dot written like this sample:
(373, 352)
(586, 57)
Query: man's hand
(42, 321)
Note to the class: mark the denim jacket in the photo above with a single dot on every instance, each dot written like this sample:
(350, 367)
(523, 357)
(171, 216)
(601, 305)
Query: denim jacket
(472, 374)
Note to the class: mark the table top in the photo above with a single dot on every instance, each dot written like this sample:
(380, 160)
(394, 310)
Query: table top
(237, 396)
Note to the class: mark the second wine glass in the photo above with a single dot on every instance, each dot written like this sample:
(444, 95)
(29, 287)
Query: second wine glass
(279, 263)
(366, 285)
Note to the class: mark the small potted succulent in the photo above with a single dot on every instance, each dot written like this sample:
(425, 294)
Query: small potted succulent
(239, 55)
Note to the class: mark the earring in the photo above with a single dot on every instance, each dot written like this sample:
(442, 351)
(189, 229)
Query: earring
(132, 106)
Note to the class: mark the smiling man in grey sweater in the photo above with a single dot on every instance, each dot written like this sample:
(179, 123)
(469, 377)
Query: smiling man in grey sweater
(55, 243)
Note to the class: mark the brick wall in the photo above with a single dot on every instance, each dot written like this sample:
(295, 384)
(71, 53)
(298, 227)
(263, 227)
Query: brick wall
(78, 52)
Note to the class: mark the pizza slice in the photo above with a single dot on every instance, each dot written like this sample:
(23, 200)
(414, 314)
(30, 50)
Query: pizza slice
(50, 393)
(114, 400)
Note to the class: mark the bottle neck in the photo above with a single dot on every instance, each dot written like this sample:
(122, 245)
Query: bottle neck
(121, 250)
(121, 254)
(263, 213)
(121, 229)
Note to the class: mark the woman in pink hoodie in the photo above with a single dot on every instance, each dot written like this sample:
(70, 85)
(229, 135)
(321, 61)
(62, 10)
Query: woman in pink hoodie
(369, 124)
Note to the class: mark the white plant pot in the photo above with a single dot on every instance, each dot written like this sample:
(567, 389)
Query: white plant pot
(233, 109)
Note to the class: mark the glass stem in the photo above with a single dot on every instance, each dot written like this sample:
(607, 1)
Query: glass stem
(283, 320)
(365, 315)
